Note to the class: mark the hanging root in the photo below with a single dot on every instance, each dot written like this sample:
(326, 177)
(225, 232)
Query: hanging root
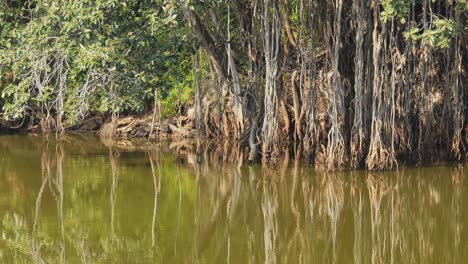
(358, 131)
(272, 33)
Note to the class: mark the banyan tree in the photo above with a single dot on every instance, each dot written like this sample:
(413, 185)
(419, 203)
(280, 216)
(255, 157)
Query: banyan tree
(366, 83)
(370, 83)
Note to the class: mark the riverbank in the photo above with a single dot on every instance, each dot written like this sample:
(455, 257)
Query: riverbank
(178, 135)
(134, 126)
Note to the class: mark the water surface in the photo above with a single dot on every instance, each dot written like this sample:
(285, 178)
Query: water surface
(80, 201)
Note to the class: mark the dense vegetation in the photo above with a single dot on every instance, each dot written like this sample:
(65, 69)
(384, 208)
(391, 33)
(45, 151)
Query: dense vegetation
(365, 81)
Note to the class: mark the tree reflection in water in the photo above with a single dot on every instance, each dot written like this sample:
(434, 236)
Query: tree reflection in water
(270, 224)
(114, 163)
(195, 208)
(50, 160)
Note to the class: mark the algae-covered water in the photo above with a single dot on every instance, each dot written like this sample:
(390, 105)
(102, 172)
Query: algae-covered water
(80, 201)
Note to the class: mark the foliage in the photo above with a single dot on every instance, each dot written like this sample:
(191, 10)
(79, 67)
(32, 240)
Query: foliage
(73, 57)
(438, 36)
(395, 9)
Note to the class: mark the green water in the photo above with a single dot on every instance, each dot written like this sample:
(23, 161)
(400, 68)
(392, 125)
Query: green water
(80, 201)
